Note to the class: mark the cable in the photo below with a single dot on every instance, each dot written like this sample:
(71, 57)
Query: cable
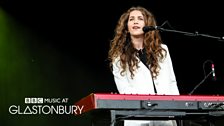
(205, 76)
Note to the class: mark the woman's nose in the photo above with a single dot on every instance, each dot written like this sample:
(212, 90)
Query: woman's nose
(135, 21)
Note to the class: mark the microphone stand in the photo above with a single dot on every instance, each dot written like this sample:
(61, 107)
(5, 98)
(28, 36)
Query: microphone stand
(191, 34)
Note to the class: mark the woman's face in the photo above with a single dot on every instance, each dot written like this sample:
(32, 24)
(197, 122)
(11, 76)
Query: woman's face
(136, 23)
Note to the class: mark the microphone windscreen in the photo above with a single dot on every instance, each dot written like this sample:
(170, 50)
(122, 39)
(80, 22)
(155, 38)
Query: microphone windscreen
(148, 28)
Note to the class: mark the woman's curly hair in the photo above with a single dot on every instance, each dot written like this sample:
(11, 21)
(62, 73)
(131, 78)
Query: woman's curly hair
(122, 47)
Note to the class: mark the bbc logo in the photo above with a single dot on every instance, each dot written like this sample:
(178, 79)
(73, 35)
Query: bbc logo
(34, 100)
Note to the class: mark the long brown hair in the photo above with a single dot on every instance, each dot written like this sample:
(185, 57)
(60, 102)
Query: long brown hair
(121, 46)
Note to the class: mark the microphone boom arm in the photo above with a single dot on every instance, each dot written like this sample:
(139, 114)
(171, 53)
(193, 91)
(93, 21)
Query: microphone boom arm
(190, 34)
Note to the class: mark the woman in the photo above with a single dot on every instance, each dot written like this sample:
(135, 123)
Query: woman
(140, 62)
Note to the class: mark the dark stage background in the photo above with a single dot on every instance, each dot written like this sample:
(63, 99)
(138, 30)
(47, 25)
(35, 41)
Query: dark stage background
(58, 49)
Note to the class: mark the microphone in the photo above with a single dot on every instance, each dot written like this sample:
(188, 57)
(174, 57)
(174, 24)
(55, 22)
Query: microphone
(150, 28)
(213, 71)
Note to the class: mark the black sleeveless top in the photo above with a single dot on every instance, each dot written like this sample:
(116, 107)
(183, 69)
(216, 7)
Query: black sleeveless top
(143, 56)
